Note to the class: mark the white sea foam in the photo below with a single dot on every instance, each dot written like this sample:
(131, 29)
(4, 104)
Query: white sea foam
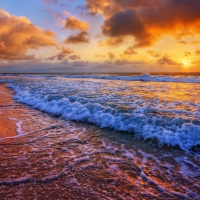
(173, 127)
(149, 110)
(18, 124)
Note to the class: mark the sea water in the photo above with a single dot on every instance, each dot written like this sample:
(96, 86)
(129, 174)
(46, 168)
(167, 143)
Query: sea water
(108, 136)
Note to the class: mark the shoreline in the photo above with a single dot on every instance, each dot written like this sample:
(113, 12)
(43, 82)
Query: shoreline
(17, 120)
(8, 126)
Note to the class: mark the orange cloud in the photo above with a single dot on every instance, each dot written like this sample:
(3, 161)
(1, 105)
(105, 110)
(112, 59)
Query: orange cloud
(187, 53)
(129, 51)
(109, 7)
(61, 55)
(148, 21)
(196, 62)
(111, 42)
(64, 53)
(105, 7)
(99, 55)
(182, 42)
(198, 52)
(165, 60)
(74, 24)
(195, 42)
(18, 35)
(79, 38)
(153, 54)
(111, 56)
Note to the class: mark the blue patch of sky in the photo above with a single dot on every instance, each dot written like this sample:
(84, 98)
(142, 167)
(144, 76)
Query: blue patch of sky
(41, 14)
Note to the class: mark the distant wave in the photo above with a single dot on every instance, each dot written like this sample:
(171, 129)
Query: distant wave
(143, 77)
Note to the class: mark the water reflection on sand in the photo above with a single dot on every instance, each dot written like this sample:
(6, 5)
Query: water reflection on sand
(62, 160)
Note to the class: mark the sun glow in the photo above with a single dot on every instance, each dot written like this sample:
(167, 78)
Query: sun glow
(186, 63)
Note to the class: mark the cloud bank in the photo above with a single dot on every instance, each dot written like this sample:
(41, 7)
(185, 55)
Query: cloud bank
(18, 35)
(148, 21)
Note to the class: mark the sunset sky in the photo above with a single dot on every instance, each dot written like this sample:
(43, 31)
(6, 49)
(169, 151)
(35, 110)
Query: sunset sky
(99, 36)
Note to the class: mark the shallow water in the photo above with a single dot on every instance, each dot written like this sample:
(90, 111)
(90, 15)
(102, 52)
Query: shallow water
(168, 112)
(59, 159)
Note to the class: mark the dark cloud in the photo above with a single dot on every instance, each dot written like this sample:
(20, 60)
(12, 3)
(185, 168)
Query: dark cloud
(129, 51)
(153, 54)
(125, 23)
(127, 62)
(99, 55)
(182, 42)
(64, 53)
(74, 57)
(111, 56)
(165, 60)
(196, 62)
(122, 62)
(80, 63)
(44, 67)
(51, 58)
(137, 3)
(187, 53)
(111, 42)
(148, 21)
(61, 55)
(81, 37)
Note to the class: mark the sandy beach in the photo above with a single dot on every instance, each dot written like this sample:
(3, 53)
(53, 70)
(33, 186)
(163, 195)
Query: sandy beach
(18, 119)
(7, 125)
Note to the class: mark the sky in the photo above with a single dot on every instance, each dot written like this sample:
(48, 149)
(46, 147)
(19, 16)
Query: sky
(61, 36)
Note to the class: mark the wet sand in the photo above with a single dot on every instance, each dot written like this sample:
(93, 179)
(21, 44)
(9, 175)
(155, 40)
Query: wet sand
(7, 125)
(17, 119)
(70, 160)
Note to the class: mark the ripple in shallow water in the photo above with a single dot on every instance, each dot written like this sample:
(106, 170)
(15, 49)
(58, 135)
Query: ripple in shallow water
(79, 161)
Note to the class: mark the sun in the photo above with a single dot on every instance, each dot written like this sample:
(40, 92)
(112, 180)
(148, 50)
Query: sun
(186, 63)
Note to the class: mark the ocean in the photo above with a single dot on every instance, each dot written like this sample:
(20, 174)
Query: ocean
(104, 136)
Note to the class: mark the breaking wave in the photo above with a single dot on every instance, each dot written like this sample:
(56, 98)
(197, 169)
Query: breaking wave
(119, 106)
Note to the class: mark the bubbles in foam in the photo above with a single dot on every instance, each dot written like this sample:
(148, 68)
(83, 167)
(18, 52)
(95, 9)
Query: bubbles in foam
(166, 112)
